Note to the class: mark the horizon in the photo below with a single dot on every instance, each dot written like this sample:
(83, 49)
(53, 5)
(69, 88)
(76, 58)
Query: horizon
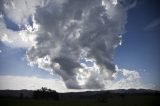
(85, 91)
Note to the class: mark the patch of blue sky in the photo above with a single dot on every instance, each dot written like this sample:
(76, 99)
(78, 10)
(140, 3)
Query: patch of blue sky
(11, 25)
(140, 48)
(86, 62)
(13, 62)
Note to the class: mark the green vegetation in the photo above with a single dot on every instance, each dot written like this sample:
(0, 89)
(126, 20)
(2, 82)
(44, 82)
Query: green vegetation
(128, 100)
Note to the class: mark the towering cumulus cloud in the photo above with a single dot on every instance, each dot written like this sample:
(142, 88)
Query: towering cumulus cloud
(75, 39)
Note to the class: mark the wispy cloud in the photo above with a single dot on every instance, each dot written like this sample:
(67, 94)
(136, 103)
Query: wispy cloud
(153, 25)
(129, 4)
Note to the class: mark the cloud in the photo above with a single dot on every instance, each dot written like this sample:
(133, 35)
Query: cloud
(31, 83)
(75, 31)
(17, 39)
(130, 75)
(74, 39)
(155, 24)
(19, 11)
(126, 79)
(17, 24)
(0, 51)
(123, 79)
(128, 4)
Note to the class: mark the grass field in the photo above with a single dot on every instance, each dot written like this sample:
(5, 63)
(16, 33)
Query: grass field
(130, 100)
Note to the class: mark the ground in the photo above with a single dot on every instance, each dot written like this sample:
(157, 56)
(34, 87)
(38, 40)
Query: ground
(127, 100)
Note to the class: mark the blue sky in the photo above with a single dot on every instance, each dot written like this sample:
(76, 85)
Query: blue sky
(13, 62)
(139, 50)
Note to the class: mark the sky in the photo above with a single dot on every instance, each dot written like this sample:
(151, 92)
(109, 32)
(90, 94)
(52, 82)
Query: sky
(76, 45)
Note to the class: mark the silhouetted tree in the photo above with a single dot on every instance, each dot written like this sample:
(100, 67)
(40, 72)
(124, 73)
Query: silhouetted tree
(46, 94)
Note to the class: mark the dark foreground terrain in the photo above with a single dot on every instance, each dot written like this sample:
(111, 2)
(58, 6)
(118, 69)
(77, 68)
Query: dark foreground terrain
(95, 98)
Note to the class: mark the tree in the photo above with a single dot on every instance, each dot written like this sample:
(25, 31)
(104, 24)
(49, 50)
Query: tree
(45, 93)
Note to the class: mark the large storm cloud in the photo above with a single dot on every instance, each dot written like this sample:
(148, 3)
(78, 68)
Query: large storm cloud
(75, 39)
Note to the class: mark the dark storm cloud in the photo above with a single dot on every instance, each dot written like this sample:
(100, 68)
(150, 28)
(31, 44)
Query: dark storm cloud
(71, 26)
